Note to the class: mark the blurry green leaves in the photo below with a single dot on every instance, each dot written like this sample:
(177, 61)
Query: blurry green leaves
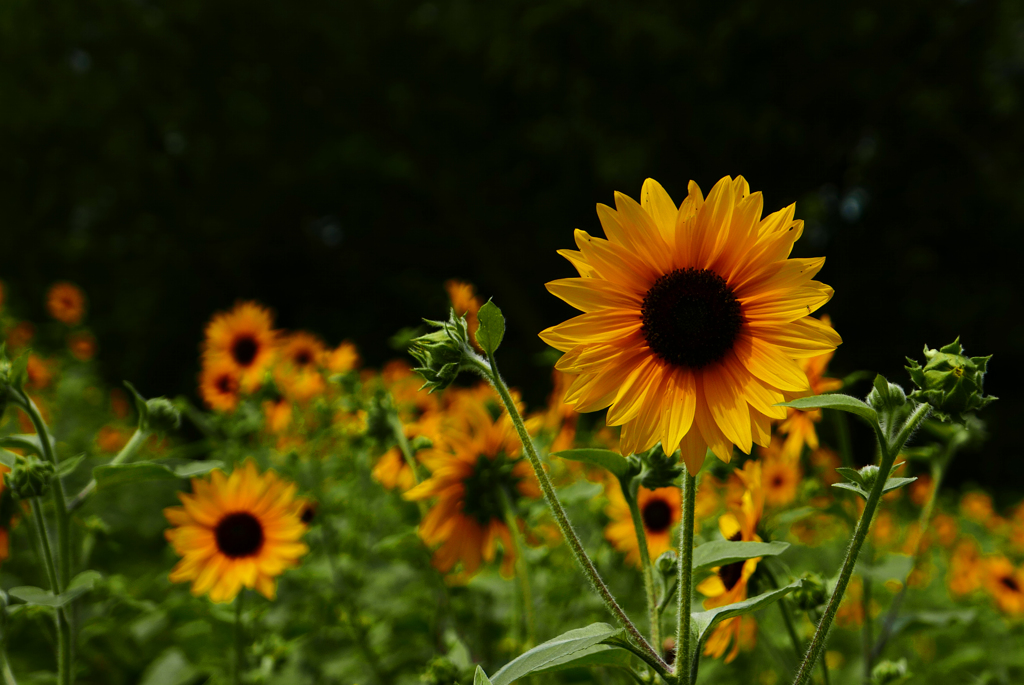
(34, 596)
(607, 459)
(863, 480)
(120, 474)
(950, 381)
(492, 327)
(577, 647)
(723, 552)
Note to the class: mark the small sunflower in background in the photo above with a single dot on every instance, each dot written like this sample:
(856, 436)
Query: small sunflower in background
(799, 425)
(236, 531)
(660, 511)
(82, 345)
(966, 569)
(694, 317)
(66, 303)
(301, 355)
(220, 384)
(780, 475)
(729, 584)
(244, 338)
(472, 478)
(1005, 583)
(343, 358)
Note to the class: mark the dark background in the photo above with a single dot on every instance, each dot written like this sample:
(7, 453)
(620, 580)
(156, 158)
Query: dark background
(339, 160)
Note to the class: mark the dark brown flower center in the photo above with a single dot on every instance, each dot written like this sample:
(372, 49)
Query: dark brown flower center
(303, 358)
(225, 384)
(1010, 583)
(657, 516)
(778, 481)
(485, 489)
(239, 535)
(244, 350)
(691, 317)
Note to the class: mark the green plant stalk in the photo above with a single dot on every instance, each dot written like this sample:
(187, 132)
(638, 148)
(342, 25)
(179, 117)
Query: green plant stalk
(63, 625)
(126, 453)
(406, 449)
(685, 574)
(236, 672)
(5, 666)
(889, 450)
(826, 677)
(868, 629)
(645, 564)
(522, 569)
(786, 617)
(589, 570)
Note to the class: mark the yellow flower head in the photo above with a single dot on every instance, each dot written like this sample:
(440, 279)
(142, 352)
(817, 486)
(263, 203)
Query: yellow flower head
(780, 478)
(244, 338)
(965, 568)
(660, 511)
(236, 531)
(694, 317)
(799, 426)
(82, 345)
(299, 375)
(220, 384)
(472, 477)
(342, 358)
(1005, 582)
(66, 303)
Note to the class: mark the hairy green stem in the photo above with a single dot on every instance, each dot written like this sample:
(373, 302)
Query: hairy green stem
(645, 564)
(826, 677)
(490, 372)
(685, 573)
(126, 453)
(889, 450)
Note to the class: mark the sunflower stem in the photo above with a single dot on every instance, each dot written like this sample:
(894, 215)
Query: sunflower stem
(867, 629)
(239, 665)
(126, 453)
(406, 449)
(561, 518)
(889, 448)
(522, 569)
(5, 665)
(683, 671)
(645, 563)
(56, 587)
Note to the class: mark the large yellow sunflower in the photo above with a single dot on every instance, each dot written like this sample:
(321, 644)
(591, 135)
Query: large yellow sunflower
(693, 319)
(245, 338)
(660, 511)
(236, 531)
(472, 476)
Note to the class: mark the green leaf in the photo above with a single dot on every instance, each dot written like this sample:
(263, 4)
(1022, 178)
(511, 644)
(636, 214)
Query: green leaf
(85, 579)
(492, 327)
(612, 461)
(889, 567)
(68, 466)
(480, 678)
(8, 459)
(554, 651)
(834, 401)
(140, 405)
(896, 483)
(852, 475)
(704, 621)
(852, 487)
(39, 597)
(592, 657)
(110, 475)
(722, 552)
(25, 441)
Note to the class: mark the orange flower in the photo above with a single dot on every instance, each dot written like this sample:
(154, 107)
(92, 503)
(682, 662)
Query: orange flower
(112, 438)
(780, 479)
(1005, 582)
(39, 372)
(826, 461)
(82, 345)
(21, 335)
(660, 511)
(66, 303)
(342, 358)
(243, 338)
(965, 568)
(977, 506)
(299, 372)
(921, 490)
(219, 384)
(277, 414)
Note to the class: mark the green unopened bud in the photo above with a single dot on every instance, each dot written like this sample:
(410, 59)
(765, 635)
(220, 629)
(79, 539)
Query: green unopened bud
(890, 673)
(811, 594)
(660, 470)
(949, 381)
(163, 417)
(442, 353)
(869, 474)
(667, 564)
(30, 477)
(440, 671)
(885, 396)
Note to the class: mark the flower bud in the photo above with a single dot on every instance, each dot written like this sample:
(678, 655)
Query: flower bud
(811, 594)
(667, 564)
(660, 470)
(890, 672)
(885, 396)
(869, 474)
(949, 381)
(442, 353)
(30, 477)
(164, 417)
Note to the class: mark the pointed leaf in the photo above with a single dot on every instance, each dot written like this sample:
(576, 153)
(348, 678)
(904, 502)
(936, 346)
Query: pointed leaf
(119, 474)
(592, 657)
(852, 487)
(852, 475)
(612, 461)
(896, 483)
(491, 330)
(25, 441)
(68, 466)
(86, 579)
(140, 405)
(480, 678)
(704, 621)
(8, 459)
(722, 552)
(198, 468)
(553, 651)
(834, 401)
(39, 597)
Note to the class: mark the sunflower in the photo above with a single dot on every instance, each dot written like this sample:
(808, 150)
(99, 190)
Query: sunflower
(236, 531)
(780, 478)
(965, 568)
(660, 511)
(66, 303)
(693, 319)
(977, 506)
(729, 584)
(299, 371)
(20, 335)
(1005, 582)
(277, 414)
(471, 478)
(82, 345)
(245, 338)
(220, 384)
(799, 426)
(342, 358)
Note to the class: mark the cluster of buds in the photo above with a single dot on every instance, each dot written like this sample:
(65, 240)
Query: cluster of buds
(949, 381)
(660, 470)
(442, 353)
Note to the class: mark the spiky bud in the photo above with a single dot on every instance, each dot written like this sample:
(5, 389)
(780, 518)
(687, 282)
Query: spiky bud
(890, 673)
(442, 353)
(660, 470)
(29, 478)
(950, 381)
